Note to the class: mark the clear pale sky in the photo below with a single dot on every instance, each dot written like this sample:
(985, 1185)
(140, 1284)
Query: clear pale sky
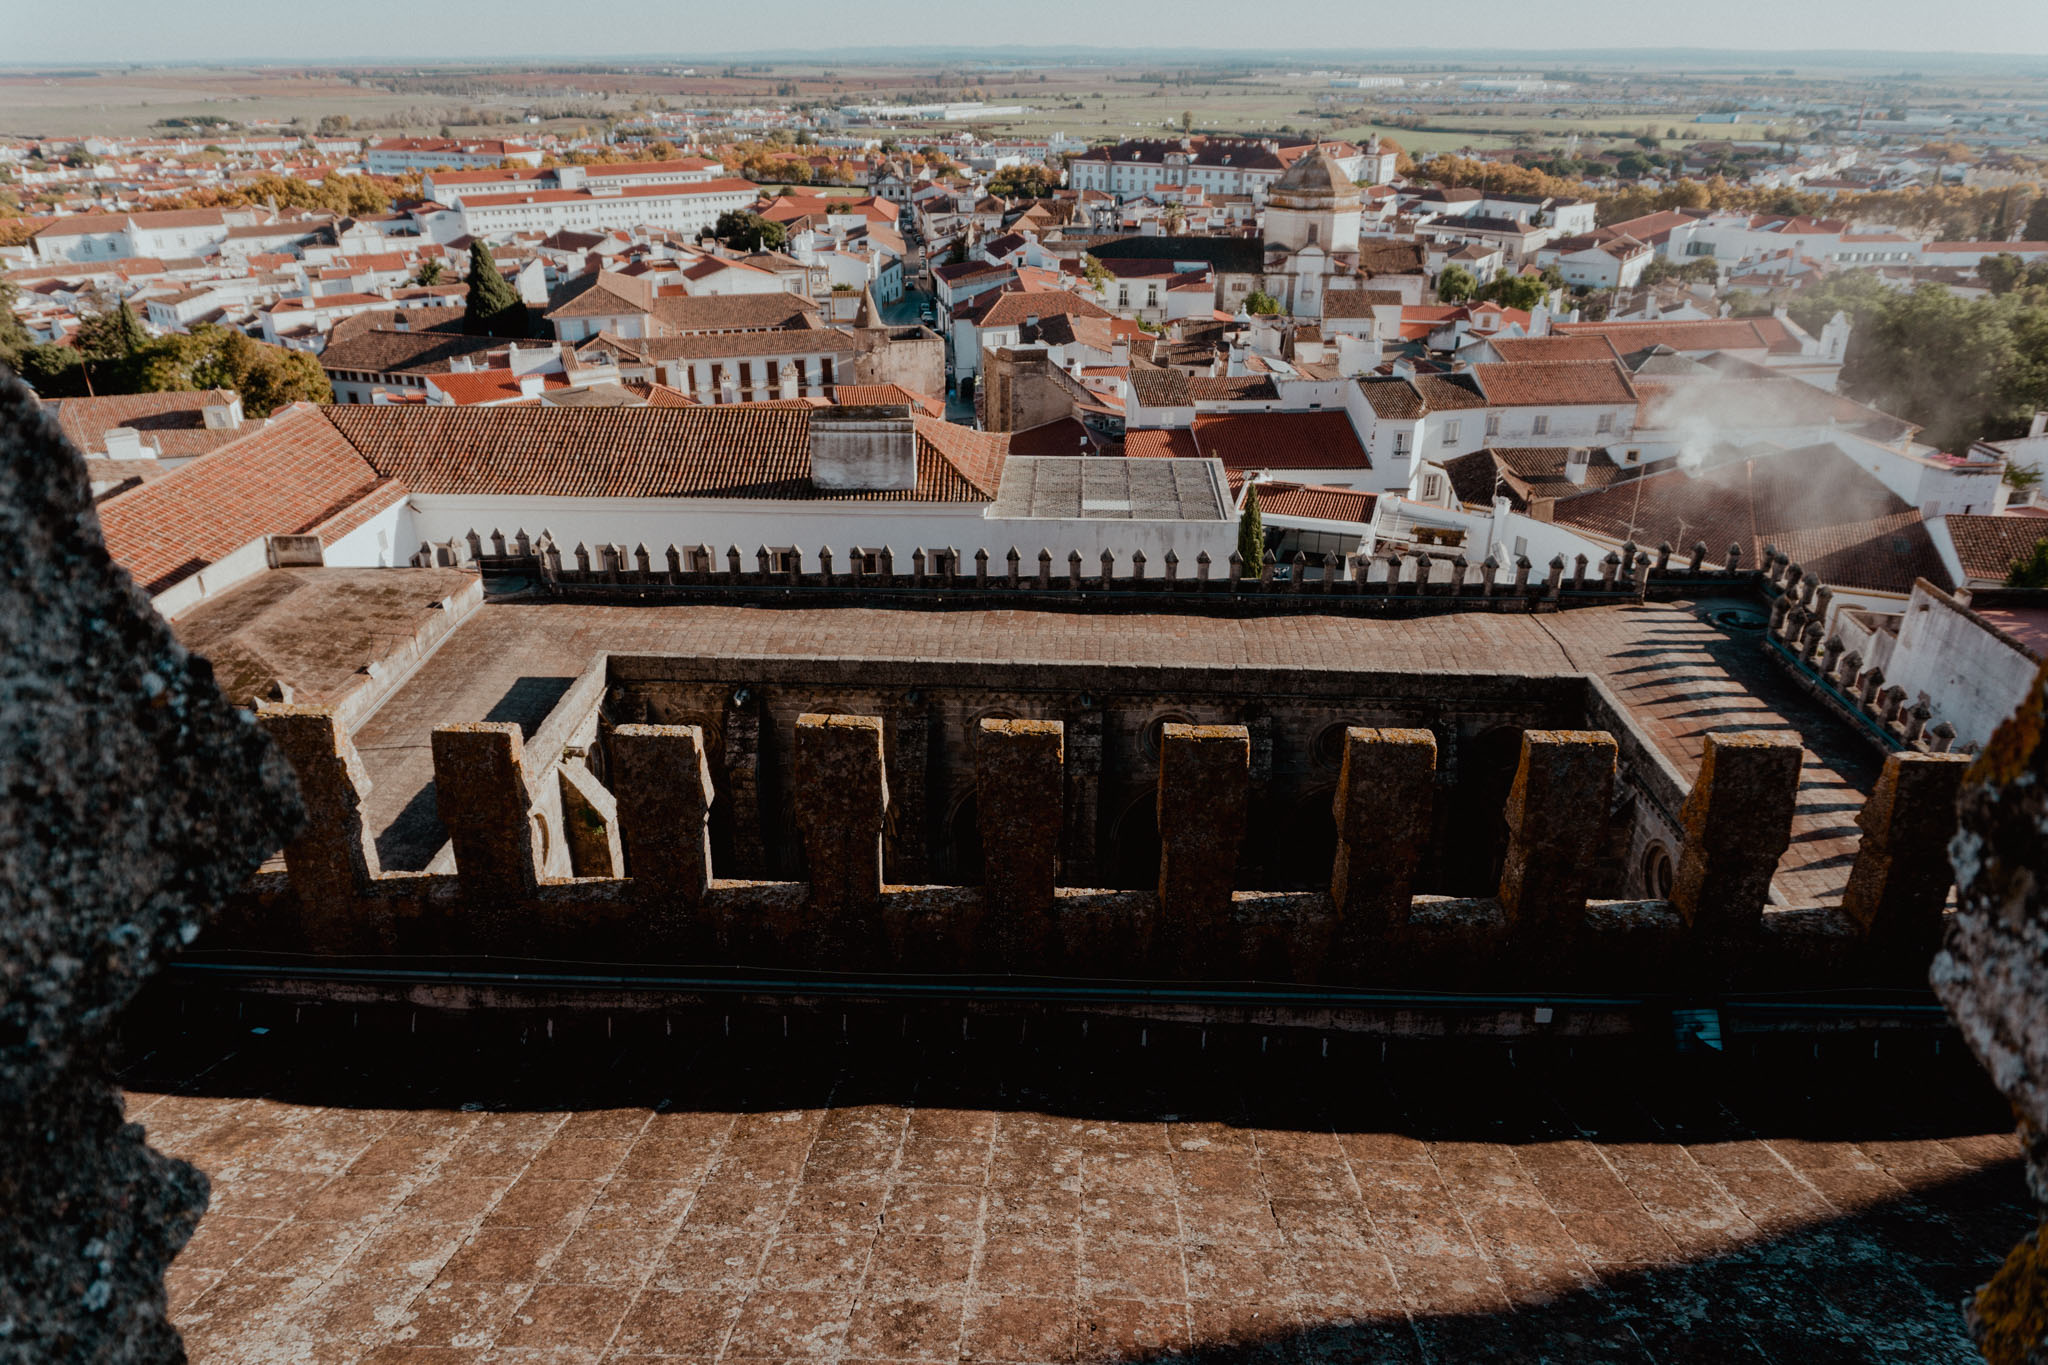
(306, 30)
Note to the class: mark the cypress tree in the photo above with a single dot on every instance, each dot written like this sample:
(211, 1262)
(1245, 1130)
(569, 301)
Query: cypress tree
(1251, 534)
(493, 309)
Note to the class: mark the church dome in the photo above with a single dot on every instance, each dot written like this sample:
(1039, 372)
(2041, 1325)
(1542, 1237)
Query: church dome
(1315, 181)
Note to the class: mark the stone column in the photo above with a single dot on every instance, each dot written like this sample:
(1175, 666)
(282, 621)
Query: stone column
(1204, 786)
(1901, 878)
(334, 859)
(1738, 823)
(661, 779)
(1382, 807)
(842, 802)
(1018, 781)
(480, 791)
(1557, 814)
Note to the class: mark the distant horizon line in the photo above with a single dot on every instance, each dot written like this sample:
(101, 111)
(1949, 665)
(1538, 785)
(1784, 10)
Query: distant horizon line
(1112, 56)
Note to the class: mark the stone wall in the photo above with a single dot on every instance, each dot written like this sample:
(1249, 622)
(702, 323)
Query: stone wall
(807, 854)
(136, 798)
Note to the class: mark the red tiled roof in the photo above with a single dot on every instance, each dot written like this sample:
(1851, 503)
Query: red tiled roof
(866, 395)
(1987, 546)
(1547, 383)
(724, 450)
(1814, 503)
(489, 386)
(1519, 350)
(1176, 443)
(1280, 440)
(1323, 502)
(1012, 308)
(1707, 334)
(285, 479)
(174, 422)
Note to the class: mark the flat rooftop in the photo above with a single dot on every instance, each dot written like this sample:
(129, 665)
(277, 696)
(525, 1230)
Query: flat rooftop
(1682, 677)
(1125, 1197)
(1119, 490)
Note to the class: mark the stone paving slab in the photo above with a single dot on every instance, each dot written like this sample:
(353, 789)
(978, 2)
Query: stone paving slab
(983, 1203)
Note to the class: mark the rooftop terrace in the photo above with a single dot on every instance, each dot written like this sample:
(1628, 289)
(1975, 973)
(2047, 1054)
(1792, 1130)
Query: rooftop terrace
(419, 1199)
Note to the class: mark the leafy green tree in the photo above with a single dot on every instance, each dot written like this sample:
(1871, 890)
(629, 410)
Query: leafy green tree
(1516, 291)
(1251, 534)
(1095, 273)
(14, 337)
(1456, 284)
(492, 308)
(746, 231)
(213, 357)
(2022, 477)
(429, 273)
(2037, 220)
(1261, 304)
(2001, 273)
(2032, 571)
(110, 338)
(1029, 181)
(53, 371)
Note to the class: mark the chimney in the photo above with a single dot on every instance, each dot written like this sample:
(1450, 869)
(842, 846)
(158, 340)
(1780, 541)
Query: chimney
(1576, 462)
(530, 385)
(864, 448)
(2039, 426)
(125, 443)
(225, 416)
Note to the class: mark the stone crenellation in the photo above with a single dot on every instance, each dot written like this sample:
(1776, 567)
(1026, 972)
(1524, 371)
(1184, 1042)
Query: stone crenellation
(1799, 638)
(1498, 582)
(513, 891)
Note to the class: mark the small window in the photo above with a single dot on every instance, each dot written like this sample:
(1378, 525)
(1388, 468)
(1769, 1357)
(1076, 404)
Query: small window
(1493, 424)
(1400, 443)
(1541, 426)
(1606, 422)
(1450, 433)
(1432, 488)
(1521, 546)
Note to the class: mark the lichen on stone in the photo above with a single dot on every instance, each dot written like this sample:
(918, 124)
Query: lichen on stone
(136, 798)
(1992, 973)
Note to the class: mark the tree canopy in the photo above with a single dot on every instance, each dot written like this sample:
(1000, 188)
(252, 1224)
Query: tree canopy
(1964, 369)
(746, 231)
(1456, 284)
(208, 357)
(491, 308)
(1251, 534)
(1030, 180)
(1261, 304)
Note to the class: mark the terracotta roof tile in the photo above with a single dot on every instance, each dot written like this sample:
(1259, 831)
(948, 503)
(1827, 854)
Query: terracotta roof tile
(1324, 502)
(1280, 440)
(284, 479)
(1987, 546)
(1520, 350)
(726, 450)
(1555, 383)
(174, 422)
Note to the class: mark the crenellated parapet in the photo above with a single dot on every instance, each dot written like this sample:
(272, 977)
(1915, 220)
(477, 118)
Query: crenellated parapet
(639, 885)
(1391, 578)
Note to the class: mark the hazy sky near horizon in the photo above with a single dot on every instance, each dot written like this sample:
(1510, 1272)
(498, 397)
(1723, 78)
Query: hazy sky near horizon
(39, 31)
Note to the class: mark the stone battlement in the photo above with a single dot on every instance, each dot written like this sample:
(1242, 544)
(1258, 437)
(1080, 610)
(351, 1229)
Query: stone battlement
(1398, 579)
(593, 843)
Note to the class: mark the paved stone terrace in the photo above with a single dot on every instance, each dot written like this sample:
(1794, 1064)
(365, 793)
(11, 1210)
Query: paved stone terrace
(1683, 678)
(972, 1202)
